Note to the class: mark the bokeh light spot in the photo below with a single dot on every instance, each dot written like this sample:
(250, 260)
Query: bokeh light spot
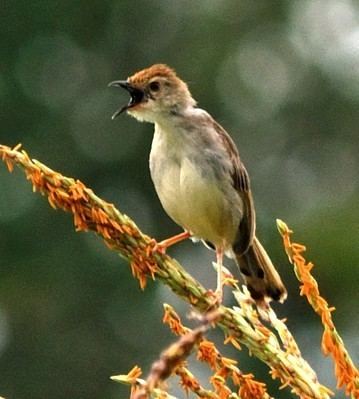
(51, 70)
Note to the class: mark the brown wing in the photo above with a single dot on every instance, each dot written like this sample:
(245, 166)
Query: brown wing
(246, 229)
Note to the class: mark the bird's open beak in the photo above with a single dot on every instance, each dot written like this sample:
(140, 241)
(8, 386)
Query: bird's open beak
(136, 95)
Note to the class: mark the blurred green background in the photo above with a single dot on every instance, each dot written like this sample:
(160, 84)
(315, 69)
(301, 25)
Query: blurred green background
(281, 76)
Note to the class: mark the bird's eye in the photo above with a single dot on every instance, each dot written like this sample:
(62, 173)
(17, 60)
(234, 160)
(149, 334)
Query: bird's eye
(154, 86)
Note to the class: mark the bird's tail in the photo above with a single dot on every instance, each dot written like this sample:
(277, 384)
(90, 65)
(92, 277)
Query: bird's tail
(261, 277)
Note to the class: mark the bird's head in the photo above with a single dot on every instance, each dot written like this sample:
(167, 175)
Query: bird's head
(156, 92)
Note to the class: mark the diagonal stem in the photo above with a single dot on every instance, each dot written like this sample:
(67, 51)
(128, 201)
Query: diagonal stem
(122, 235)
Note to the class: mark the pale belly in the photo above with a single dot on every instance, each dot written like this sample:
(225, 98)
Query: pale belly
(195, 202)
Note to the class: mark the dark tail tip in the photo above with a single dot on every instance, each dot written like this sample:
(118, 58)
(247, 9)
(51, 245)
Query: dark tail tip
(274, 293)
(271, 292)
(256, 295)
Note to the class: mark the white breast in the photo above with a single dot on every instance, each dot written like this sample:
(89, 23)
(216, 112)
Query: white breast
(191, 193)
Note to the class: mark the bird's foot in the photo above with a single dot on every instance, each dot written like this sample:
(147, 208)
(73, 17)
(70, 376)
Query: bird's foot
(216, 298)
(158, 247)
(161, 247)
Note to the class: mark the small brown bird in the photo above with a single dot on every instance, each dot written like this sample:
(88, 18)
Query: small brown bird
(200, 178)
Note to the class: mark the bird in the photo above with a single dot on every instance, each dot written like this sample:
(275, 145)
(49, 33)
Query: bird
(200, 178)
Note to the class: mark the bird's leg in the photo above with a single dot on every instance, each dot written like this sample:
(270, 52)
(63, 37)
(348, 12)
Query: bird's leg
(219, 289)
(217, 296)
(163, 245)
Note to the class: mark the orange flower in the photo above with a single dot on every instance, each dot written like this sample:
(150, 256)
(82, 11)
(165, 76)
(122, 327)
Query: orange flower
(131, 378)
(233, 340)
(220, 387)
(171, 318)
(188, 380)
(207, 352)
(133, 374)
(251, 389)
